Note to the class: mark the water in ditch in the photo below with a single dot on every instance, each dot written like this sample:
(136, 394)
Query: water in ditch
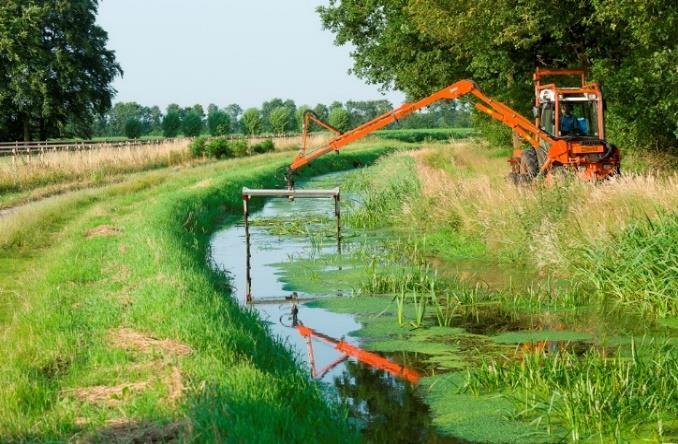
(384, 408)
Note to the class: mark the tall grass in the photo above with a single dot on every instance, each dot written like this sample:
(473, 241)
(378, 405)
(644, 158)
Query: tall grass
(90, 166)
(554, 229)
(594, 396)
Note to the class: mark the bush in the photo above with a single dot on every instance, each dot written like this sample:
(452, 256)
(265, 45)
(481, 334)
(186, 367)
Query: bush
(218, 148)
(197, 147)
(239, 148)
(265, 146)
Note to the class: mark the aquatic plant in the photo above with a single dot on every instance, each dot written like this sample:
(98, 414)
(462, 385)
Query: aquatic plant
(594, 396)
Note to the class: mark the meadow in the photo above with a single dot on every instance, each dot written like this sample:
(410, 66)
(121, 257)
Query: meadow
(28, 178)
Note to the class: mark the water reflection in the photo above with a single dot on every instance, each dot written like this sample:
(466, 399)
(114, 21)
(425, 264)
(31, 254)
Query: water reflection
(387, 410)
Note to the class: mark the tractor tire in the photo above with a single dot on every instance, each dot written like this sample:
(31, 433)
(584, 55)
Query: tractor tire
(529, 164)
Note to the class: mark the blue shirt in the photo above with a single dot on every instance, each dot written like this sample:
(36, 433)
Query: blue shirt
(568, 124)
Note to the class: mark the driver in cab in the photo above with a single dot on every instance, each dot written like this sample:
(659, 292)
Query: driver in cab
(569, 125)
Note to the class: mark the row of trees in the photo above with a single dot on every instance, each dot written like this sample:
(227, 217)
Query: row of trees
(419, 46)
(275, 116)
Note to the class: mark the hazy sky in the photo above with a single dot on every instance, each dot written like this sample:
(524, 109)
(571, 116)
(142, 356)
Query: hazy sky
(228, 51)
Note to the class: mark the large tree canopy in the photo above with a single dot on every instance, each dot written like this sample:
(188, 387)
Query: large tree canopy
(418, 46)
(55, 69)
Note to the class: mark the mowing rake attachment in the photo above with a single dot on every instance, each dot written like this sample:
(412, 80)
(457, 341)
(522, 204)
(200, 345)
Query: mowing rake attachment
(349, 350)
(248, 194)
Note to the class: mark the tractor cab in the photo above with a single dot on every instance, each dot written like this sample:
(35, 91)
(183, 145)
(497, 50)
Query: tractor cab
(568, 112)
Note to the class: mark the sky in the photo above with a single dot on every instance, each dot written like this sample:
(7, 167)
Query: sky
(228, 51)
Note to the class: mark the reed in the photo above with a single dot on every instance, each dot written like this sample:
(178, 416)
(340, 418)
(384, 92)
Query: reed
(589, 397)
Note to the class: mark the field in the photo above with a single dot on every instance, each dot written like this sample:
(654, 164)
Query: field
(113, 327)
(548, 312)
(28, 178)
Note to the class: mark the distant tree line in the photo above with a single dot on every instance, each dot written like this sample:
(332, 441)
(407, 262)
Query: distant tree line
(276, 116)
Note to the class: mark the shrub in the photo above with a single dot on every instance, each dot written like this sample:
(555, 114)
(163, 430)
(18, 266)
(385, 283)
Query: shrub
(218, 148)
(265, 146)
(239, 148)
(197, 147)
(133, 128)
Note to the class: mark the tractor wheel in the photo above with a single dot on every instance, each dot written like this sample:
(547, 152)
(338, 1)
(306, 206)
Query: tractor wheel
(529, 164)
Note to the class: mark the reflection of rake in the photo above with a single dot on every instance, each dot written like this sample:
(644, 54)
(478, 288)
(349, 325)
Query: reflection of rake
(349, 350)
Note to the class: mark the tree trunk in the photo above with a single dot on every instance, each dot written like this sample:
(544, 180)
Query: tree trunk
(27, 128)
(43, 129)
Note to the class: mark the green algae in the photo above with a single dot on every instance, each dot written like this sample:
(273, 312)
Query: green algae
(521, 337)
(486, 418)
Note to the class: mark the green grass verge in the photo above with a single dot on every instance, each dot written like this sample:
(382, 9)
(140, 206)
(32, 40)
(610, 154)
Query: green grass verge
(111, 322)
(426, 134)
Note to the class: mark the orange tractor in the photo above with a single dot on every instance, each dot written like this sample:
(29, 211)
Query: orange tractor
(567, 134)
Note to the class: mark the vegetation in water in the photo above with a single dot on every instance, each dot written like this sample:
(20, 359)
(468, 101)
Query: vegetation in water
(425, 211)
(594, 396)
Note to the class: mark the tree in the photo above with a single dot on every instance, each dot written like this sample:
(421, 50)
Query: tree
(234, 111)
(268, 107)
(299, 117)
(321, 111)
(410, 45)
(340, 119)
(279, 119)
(171, 124)
(362, 111)
(198, 109)
(133, 128)
(55, 69)
(218, 122)
(192, 124)
(251, 121)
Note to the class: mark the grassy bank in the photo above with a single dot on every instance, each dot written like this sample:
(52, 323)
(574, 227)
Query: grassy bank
(617, 239)
(426, 134)
(546, 312)
(112, 327)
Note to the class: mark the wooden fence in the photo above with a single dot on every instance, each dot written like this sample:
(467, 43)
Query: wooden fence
(39, 148)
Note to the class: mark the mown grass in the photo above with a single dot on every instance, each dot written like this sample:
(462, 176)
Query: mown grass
(96, 274)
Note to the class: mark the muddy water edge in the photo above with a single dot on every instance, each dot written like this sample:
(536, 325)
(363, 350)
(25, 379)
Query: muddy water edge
(355, 296)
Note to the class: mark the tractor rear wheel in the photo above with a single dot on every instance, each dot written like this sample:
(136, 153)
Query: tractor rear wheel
(529, 164)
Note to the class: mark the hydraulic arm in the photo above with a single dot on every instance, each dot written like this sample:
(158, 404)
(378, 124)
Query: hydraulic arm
(558, 151)
(493, 108)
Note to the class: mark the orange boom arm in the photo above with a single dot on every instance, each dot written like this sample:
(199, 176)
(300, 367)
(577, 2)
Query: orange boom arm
(493, 108)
